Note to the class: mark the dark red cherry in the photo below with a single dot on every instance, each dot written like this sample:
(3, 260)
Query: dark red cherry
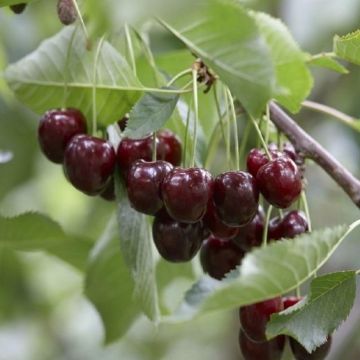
(176, 241)
(254, 317)
(130, 150)
(219, 256)
(55, 130)
(109, 192)
(18, 8)
(89, 163)
(258, 158)
(251, 235)
(168, 147)
(280, 182)
(236, 197)
(143, 185)
(292, 224)
(289, 301)
(300, 353)
(215, 225)
(266, 350)
(186, 193)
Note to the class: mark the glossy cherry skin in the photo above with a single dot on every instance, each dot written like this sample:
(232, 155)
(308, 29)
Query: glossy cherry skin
(176, 241)
(236, 197)
(89, 163)
(219, 256)
(291, 300)
(186, 193)
(266, 350)
(300, 353)
(215, 225)
(109, 191)
(56, 129)
(251, 235)
(143, 185)
(280, 182)
(254, 317)
(168, 147)
(18, 8)
(292, 224)
(258, 158)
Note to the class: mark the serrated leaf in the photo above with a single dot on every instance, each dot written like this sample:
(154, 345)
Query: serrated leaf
(38, 80)
(264, 273)
(150, 114)
(137, 251)
(35, 232)
(327, 61)
(326, 307)
(293, 79)
(223, 34)
(347, 47)
(109, 285)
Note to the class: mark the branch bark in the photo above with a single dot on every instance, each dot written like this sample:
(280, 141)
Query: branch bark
(311, 149)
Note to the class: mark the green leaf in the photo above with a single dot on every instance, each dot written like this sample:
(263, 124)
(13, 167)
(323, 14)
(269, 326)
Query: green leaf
(150, 114)
(327, 61)
(109, 285)
(264, 273)
(137, 251)
(293, 79)
(223, 34)
(4, 3)
(35, 232)
(347, 47)
(317, 316)
(39, 79)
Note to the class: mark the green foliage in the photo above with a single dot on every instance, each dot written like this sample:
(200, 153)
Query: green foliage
(347, 47)
(150, 114)
(35, 232)
(13, 2)
(318, 315)
(264, 273)
(327, 61)
(61, 71)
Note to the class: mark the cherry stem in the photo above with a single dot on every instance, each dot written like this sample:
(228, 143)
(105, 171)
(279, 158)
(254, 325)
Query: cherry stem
(130, 47)
(196, 112)
(154, 146)
(228, 133)
(306, 209)
(262, 140)
(311, 149)
(179, 76)
(267, 133)
(266, 225)
(187, 133)
(78, 12)
(244, 140)
(213, 145)
(236, 135)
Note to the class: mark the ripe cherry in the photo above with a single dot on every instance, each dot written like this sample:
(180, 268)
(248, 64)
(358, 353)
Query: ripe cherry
(235, 197)
(168, 147)
(289, 301)
(89, 163)
(215, 225)
(109, 191)
(257, 158)
(219, 256)
(280, 182)
(143, 185)
(18, 8)
(176, 241)
(251, 235)
(292, 224)
(300, 353)
(186, 193)
(266, 350)
(56, 128)
(254, 317)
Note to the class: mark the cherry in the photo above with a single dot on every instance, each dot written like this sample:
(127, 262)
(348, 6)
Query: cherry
(254, 317)
(219, 256)
(109, 192)
(143, 185)
(236, 197)
(18, 8)
(300, 353)
(215, 225)
(176, 241)
(186, 193)
(168, 147)
(280, 182)
(289, 301)
(258, 158)
(88, 163)
(251, 235)
(56, 128)
(292, 224)
(266, 350)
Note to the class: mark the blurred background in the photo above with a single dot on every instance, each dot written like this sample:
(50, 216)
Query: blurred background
(43, 313)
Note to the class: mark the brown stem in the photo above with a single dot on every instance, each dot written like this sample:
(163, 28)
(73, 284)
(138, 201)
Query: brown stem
(310, 148)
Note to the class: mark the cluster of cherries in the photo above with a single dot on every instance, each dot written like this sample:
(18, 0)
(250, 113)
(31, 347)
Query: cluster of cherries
(252, 339)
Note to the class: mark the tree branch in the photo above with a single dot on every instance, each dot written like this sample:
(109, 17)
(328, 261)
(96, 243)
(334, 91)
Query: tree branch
(311, 149)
